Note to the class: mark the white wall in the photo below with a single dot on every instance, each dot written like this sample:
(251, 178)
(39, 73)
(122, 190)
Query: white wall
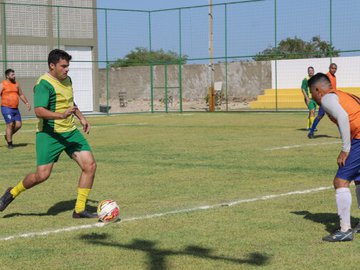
(81, 76)
(290, 73)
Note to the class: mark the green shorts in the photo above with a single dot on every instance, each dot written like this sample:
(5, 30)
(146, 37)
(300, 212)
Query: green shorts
(312, 105)
(49, 146)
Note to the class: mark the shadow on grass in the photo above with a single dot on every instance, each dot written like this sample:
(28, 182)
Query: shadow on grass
(325, 136)
(17, 145)
(330, 220)
(56, 209)
(157, 257)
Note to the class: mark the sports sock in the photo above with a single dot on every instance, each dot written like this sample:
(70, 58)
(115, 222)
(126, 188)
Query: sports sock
(308, 125)
(83, 194)
(357, 190)
(315, 123)
(311, 121)
(343, 203)
(15, 191)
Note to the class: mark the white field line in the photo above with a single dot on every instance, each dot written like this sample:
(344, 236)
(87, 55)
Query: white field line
(150, 216)
(301, 145)
(101, 126)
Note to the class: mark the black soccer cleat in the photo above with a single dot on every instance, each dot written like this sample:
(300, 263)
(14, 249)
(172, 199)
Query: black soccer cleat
(6, 199)
(84, 214)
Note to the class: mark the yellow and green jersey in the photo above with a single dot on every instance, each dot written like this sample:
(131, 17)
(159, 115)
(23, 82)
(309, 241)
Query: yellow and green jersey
(305, 87)
(55, 96)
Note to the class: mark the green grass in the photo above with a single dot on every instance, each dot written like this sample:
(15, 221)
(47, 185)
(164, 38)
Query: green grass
(163, 162)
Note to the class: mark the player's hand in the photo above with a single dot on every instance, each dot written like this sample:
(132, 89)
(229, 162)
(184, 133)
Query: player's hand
(69, 112)
(307, 100)
(86, 125)
(342, 158)
(28, 106)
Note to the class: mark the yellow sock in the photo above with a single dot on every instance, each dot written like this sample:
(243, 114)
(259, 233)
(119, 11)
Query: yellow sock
(308, 123)
(83, 194)
(312, 118)
(17, 189)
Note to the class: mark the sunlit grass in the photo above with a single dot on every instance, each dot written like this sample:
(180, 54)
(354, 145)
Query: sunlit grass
(163, 162)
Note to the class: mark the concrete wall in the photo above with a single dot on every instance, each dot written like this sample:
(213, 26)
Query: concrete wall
(246, 80)
(290, 73)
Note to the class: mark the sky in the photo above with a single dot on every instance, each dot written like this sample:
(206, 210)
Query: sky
(250, 26)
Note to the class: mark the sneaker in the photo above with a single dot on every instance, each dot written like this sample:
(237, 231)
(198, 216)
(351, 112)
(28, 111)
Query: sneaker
(311, 135)
(84, 214)
(6, 199)
(10, 146)
(339, 236)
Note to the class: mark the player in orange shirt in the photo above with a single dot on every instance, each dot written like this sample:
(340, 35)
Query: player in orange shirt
(344, 110)
(321, 113)
(10, 92)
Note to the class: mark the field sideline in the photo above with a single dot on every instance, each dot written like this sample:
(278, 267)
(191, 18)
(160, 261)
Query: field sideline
(171, 175)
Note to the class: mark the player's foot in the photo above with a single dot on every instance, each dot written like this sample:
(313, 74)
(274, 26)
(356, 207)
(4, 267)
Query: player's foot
(84, 214)
(339, 236)
(6, 199)
(10, 146)
(311, 135)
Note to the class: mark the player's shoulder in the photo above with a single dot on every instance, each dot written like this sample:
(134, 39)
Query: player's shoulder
(44, 83)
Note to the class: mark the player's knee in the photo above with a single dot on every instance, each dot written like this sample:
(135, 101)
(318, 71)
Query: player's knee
(90, 167)
(42, 176)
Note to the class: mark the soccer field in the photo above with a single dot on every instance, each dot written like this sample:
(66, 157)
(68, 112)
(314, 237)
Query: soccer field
(196, 191)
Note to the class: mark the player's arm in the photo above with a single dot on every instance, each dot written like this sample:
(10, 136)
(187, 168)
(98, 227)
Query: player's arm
(24, 99)
(41, 103)
(42, 112)
(82, 119)
(331, 105)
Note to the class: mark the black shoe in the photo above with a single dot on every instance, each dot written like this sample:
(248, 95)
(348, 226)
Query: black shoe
(10, 146)
(311, 135)
(84, 214)
(6, 199)
(339, 236)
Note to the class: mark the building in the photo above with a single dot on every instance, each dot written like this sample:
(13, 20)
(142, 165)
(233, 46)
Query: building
(29, 29)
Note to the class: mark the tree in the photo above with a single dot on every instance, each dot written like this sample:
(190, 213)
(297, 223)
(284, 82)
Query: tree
(143, 57)
(295, 48)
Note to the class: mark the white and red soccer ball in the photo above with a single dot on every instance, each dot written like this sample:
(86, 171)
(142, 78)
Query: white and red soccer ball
(108, 211)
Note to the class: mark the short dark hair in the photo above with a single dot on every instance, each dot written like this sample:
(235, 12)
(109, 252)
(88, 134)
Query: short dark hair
(318, 77)
(57, 54)
(310, 67)
(8, 71)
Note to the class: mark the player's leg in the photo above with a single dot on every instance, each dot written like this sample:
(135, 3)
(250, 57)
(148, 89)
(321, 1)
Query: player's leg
(7, 114)
(312, 109)
(318, 118)
(16, 127)
(86, 162)
(48, 150)
(350, 171)
(79, 150)
(32, 179)
(343, 203)
(8, 134)
(18, 122)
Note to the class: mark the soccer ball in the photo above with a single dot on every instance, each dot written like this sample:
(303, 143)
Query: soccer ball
(108, 211)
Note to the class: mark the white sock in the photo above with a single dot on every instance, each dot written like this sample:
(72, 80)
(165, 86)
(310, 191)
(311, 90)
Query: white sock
(343, 203)
(357, 190)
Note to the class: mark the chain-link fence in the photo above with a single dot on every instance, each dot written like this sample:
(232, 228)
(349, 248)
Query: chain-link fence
(253, 53)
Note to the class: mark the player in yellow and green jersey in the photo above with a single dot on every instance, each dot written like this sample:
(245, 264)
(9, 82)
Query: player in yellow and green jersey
(310, 103)
(55, 108)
